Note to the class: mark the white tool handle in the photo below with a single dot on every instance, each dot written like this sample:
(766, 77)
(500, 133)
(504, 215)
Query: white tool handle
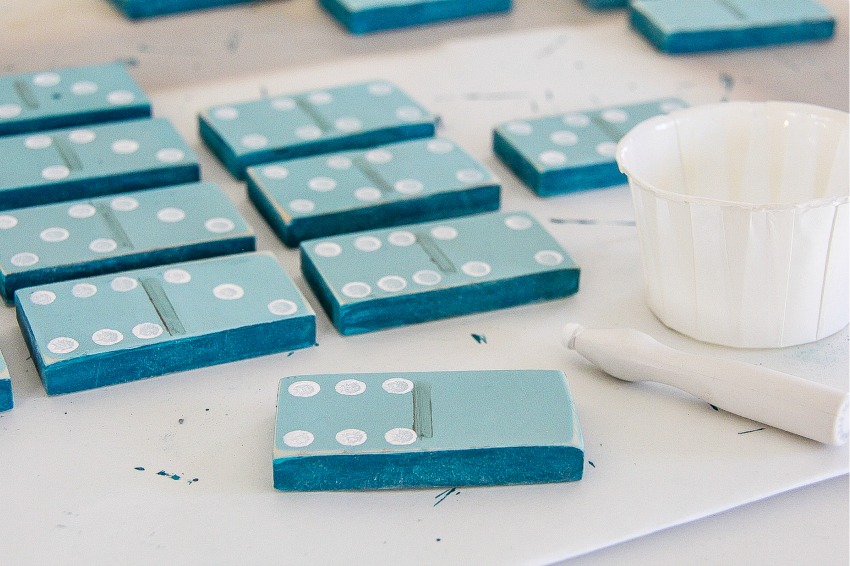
(771, 397)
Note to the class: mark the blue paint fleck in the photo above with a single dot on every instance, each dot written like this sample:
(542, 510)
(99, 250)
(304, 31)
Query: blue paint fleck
(440, 497)
(749, 431)
(140, 468)
(591, 463)
(480, 338)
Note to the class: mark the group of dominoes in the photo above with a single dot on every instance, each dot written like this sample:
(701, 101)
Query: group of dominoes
(672, 26)
(122, 265)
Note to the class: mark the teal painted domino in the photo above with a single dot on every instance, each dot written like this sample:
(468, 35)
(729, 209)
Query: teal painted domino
(110, 329)
(412, 181)
(56, 242)
(384, 278)
(74, 96)
(68, 164)
(364, 16)
(309, 123)
(416, 430)
(136, 9)
(6, 399)
(709, 25)
(605, 4)
(574, 151)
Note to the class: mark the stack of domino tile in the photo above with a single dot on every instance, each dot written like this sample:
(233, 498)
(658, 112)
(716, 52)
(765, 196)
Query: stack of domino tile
(103, 221)
(395, 225)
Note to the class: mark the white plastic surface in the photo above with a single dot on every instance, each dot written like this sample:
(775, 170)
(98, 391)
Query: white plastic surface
(778, 399)
(742, 212)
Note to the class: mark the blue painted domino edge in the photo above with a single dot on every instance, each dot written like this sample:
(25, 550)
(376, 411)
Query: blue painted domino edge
(669, 38)
(441, 300)
(138, 9)
(128, 254)
(6, 399)
(361, 17)
(75, 182)
(455, 198)
(553, 183)
(564, 153)
(73, 87)
(219, 133)
(606, 4)
(425, 429)
(162, 355)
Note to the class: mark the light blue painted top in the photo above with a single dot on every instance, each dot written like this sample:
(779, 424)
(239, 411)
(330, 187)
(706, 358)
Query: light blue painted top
(295, 119)
(360, 179)
(582, 138)
(423, 411)
(73, 232)
(437, 255)
(74, 319)
(4, 369)
(706, 15)
(358, 5)
(75, 90)
(91, 152)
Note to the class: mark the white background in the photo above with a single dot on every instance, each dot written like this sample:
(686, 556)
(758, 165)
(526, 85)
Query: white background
(69, 490)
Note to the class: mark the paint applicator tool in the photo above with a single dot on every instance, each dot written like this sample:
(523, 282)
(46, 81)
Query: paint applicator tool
(768, 396)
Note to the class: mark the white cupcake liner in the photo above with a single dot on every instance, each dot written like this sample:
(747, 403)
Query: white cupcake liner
(742, 214)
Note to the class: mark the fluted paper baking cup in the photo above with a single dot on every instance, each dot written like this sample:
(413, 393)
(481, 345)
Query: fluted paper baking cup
(742, 215)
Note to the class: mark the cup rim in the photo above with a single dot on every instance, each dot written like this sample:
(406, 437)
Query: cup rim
(640, 182)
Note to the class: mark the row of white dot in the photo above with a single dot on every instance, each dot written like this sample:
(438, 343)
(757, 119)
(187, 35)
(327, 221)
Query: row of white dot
(429, 277)
(351, 437)
(407, 187)
(108, 245)
(403, 238)
(346, 124)
(176, 276)
(217, 225)
(105, 337)
(375, 156)
(307, 388)
(145, 330)
(166, 155)
(11, 110)
(50, 79)
(556, 158)
(284, 103)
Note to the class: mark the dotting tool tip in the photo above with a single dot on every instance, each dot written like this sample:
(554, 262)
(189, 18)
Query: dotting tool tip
(569, 333)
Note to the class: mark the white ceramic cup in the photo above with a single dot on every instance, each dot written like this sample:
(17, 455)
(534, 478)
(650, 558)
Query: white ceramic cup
(742, 215)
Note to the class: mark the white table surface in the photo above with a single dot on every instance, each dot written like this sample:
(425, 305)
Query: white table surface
(674, 481)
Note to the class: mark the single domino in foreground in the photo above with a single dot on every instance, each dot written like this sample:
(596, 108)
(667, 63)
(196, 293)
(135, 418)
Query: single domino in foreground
(60, 165)
(709, 25)
(135, 9)
(111, 329)
(416, 430)
(74, 96)
(573, 151)
(412, 181)
(379, 279)
(56, 242)
(309, 123)
(6, 399)
(364, 16)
